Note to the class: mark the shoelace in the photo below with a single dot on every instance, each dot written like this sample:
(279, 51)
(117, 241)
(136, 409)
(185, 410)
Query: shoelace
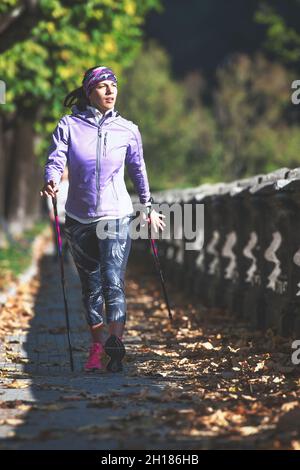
(118, 341)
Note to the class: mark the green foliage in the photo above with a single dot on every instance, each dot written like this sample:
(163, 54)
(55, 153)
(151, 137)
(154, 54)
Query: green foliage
(251, 104)
(178, 133)
(65, 42)
(270, 149)
(185, 143)
(282, 39)
(8, 5)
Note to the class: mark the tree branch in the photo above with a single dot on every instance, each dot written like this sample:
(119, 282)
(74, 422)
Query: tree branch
(16, 25)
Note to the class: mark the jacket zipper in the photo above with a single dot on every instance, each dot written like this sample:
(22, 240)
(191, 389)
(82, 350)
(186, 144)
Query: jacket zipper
(98, 158)
(98, 151)
(105, 138)
(98, 154)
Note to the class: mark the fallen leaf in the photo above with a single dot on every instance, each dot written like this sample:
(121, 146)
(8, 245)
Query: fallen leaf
(295, 445)
(259, 366)
(248, 430)
(277, 380)
(207, 345)
(12, 421)
(17, 384)
(290, 406)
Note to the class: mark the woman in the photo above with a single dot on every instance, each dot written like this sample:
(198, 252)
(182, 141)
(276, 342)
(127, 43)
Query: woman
(96, 143)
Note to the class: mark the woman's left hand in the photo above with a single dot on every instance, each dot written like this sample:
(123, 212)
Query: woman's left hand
(156, 221)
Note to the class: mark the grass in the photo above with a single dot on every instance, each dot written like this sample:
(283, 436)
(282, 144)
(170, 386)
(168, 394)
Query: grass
(17, 256)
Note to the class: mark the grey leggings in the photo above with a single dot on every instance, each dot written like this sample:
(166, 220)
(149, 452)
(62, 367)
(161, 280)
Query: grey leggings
(101, 265)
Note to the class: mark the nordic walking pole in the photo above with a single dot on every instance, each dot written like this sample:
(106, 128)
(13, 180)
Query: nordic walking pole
(158, 267)
(59, 247)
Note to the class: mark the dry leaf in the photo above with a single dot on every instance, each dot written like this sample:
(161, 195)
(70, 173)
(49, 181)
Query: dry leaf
(259, 366)
(248, 430)
(13, 421)
(295, 445)
(17, 384)
(290, 406)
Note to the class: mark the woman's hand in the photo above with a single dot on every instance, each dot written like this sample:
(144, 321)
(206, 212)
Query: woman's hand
(155, 218)
(50, 189)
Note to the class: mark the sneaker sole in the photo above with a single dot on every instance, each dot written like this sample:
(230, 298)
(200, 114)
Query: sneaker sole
(93, 369)
(115, 349)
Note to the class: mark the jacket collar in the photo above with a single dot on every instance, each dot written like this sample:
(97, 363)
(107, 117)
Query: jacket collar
(97, 114)
(88, 114)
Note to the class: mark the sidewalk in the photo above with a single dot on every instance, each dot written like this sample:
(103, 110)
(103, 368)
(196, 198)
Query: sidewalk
(45, 406)
(196, 384)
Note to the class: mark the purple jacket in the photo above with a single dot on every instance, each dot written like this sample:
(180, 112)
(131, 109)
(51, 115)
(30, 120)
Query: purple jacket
(96, 157)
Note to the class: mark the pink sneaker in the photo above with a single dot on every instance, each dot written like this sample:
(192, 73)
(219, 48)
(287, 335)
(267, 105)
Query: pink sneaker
(94, 360)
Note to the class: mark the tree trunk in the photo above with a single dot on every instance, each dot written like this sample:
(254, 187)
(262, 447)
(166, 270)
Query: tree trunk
(34, 202)
(16, 24)
(22, 192)
(3, 241)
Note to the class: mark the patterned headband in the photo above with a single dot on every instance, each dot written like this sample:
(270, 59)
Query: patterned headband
(95, 76)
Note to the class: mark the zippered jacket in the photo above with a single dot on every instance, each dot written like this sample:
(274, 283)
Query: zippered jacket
(96, 156)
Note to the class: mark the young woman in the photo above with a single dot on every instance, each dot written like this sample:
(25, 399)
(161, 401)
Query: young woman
(96, 143)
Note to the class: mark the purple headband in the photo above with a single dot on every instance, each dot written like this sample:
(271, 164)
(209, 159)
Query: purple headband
(95, 76)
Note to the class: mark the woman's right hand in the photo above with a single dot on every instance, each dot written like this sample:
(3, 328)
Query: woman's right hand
(49, 189)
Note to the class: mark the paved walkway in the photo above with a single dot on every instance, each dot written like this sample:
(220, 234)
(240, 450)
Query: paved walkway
(48, 407)
(203, 382)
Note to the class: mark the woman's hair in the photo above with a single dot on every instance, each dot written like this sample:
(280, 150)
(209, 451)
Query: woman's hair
(78, 97)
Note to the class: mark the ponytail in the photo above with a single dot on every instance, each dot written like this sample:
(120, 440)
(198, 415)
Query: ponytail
(77, 97)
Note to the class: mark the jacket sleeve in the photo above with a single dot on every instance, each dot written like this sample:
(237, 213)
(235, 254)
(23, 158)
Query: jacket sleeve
(136, 165)
(57, 153)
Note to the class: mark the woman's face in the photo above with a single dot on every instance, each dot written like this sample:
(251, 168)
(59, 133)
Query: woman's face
(104, 95)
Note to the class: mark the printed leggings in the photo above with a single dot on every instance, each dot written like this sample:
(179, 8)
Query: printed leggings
(100, 252)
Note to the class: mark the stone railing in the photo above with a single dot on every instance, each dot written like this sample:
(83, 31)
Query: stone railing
(249, 262)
